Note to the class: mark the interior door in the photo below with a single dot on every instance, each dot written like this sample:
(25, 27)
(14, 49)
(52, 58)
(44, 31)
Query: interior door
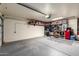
(0, 32)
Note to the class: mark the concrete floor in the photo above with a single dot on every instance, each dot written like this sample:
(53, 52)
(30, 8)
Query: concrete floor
(43, 46)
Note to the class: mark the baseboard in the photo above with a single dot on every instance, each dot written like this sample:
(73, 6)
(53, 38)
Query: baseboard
(23, 40)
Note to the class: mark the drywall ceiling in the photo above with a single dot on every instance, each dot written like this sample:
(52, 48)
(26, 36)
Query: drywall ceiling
(56, 9)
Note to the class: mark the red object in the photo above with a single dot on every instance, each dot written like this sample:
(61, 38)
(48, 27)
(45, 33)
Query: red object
(67, 34)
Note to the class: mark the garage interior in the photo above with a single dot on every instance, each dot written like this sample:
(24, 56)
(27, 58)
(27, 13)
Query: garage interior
(38, 29)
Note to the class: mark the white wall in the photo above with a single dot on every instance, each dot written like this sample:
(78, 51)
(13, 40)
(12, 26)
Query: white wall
(73, 24)
(23, 30)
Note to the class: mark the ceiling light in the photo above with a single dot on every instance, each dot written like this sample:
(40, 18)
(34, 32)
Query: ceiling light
(47, 16)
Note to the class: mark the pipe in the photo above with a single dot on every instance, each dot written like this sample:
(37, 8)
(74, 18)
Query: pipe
(31, 8)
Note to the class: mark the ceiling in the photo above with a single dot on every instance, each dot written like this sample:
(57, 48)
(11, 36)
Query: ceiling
(55, 9)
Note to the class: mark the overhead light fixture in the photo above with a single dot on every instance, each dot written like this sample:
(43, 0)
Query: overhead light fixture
(48, 16)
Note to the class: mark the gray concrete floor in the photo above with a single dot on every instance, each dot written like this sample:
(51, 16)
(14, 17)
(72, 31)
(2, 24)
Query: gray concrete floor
(43, 46)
